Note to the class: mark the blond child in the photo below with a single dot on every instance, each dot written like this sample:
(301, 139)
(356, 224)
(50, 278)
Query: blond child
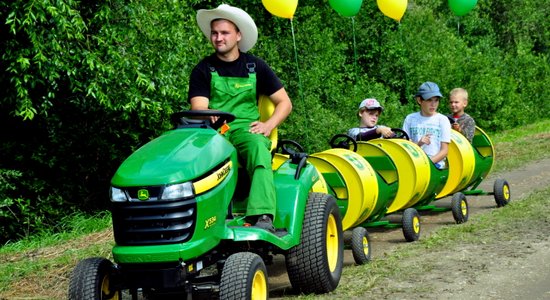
(427, 128)
(369, 112)
(461, 121)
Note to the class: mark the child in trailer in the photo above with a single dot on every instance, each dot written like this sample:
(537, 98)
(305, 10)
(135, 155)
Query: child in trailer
(461, 121)
(369, 112)
(427, 128)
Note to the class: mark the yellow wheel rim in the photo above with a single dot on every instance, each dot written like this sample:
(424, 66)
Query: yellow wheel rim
(416, 225)
(366, 249)
(332, 243)
(105, 289)
(506, 192)
(464, 207)
(259, 286)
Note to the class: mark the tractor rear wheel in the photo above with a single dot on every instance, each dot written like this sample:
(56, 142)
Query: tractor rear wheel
(459, 207)
(244, 276)
(90, 279)
(360, 245)
(501, 190)
(411, 224)
(315, 265)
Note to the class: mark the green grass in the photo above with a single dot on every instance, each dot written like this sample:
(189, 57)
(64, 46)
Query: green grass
(73, 226)
(38, 264)
(42, 262)
(516, 146)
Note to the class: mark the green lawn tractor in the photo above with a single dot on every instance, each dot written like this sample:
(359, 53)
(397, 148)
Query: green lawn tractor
(180, 229)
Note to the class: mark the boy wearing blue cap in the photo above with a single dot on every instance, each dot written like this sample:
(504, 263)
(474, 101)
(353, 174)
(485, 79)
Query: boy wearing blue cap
(427, 128)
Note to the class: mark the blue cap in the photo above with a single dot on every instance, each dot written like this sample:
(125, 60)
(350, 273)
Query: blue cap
(428, 90)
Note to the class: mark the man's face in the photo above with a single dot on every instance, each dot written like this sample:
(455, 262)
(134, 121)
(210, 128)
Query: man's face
(224, 36)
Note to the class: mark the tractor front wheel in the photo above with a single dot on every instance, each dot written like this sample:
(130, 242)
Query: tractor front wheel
(91, 280)
(315, 265)
(244, 276)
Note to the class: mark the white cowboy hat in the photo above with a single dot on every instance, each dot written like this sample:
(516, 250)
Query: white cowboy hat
(245, 24)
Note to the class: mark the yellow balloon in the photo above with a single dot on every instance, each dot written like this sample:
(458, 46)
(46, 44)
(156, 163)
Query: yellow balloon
(394, 9)
(281, 8)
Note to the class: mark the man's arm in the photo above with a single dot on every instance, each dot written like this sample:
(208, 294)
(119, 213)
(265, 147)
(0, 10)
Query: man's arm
(199, 103)
(283, 107)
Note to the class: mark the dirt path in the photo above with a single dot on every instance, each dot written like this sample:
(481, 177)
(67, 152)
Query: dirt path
(525, 275)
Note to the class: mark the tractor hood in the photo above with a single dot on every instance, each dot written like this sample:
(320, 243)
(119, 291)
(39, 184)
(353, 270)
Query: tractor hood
(176, 156)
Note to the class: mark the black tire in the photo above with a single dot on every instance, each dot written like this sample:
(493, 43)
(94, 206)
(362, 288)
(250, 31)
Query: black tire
(459, 207)
(90, 279)
(244, 276)
(501, 190)
(360, 245)
(411, 225)
(315, 265)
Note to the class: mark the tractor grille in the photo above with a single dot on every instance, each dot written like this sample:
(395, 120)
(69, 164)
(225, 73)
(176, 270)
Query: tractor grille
(154, 222)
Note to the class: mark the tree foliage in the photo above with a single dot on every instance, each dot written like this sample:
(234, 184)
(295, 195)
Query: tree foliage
(86, 83)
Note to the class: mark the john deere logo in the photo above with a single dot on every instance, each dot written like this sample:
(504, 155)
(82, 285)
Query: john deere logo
(238, 85)
(143, 194)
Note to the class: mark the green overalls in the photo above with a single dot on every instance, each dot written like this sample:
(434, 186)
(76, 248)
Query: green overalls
(238, 96)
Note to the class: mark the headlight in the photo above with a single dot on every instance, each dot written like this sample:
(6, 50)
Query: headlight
(177, 191)
(118, 195)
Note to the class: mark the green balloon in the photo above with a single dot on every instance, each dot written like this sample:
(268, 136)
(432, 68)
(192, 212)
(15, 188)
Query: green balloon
(462, 7)
(347, 8)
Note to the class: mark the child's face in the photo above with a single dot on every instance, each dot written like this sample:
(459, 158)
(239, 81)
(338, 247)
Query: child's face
(369, 118)
(428, 107)
(457, 104)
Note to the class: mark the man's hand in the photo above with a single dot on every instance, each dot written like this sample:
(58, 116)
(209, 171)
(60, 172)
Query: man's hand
(260, 128)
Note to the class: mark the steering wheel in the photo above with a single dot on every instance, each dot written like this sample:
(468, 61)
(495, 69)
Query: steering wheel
(289, 147)
(182, 118)
(343, 141)
(400, 134)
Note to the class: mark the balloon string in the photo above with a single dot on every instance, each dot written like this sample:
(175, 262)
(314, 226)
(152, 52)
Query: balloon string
(354, 45)
(296, 59)
(298, 74)
(403, 62)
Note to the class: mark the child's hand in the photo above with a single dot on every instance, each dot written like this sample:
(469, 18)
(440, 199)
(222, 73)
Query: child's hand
(385, 132)
(425, 140)
(456, 126)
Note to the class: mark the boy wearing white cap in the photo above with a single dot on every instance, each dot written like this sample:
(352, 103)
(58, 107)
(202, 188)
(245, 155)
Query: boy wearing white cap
(369, 112)
(232, 80)
(427, 128)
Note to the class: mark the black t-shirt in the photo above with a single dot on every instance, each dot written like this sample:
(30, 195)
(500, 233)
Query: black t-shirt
(267, 82)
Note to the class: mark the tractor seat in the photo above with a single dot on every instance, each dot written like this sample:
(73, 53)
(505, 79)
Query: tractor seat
(266, 108)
